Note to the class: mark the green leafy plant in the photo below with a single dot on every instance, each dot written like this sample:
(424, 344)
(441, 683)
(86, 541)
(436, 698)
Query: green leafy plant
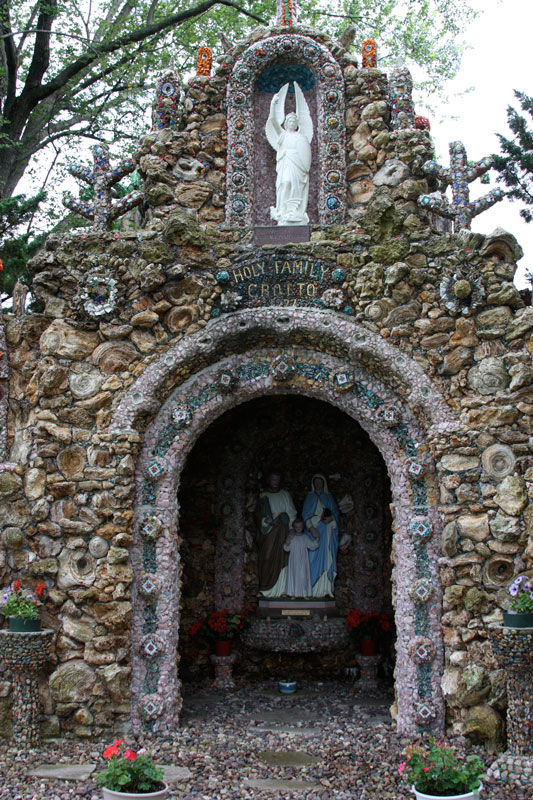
(439, 771)
(129, 770)
(521, 591)
(19, 602)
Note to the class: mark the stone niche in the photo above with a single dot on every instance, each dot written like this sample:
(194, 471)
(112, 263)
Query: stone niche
(223, 477)
(260, 72)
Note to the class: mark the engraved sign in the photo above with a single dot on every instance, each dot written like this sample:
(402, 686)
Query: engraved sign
(283, 282)
(295, 612)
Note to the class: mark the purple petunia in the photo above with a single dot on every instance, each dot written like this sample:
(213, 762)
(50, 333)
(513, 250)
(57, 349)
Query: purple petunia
(513, 589)
(531, 595)
(526, 587)
(519, 580)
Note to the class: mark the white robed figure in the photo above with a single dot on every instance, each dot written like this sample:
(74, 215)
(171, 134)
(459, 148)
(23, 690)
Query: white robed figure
(321, 515)
(291, 137)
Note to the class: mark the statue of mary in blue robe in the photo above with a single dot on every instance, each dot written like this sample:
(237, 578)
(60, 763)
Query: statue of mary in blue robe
(321, 513)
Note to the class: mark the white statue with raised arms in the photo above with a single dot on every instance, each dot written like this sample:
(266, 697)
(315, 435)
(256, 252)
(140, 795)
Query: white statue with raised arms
(291, 137)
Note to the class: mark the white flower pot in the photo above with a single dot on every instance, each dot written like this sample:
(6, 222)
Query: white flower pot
(468, 796)
(109, 794)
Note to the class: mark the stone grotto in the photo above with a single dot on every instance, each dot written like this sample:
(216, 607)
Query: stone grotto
(183, 351)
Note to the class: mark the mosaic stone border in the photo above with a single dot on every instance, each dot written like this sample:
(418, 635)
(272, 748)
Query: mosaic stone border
(329, 126)
(420, 702)
(4, 376)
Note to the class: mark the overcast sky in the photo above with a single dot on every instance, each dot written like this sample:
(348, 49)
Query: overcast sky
(500, 60)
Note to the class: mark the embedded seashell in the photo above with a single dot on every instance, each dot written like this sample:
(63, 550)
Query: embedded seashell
(346, 504)
(182, 293)
(498, 461)
(489, 376)
(115, 356)
(85, 384)
(181, 317)
(98, 547)
(13, 538)
(498, 571)
(71, 462)
(379, 309)
(76, 568)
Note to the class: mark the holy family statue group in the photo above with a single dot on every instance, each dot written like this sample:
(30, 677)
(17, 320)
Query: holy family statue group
(297, 555)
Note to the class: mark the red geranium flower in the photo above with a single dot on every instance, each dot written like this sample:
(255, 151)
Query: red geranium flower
(16, 585)
(131, 755)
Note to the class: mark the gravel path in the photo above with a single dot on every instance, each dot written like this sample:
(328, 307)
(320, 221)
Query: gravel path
(356, 746)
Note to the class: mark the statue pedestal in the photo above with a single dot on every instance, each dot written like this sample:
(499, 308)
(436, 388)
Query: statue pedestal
(513, 648)
(24, 654)
(369, 672)
(297, 634)
(223, 671)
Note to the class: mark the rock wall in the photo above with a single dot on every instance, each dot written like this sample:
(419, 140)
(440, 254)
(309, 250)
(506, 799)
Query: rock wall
(116, 302)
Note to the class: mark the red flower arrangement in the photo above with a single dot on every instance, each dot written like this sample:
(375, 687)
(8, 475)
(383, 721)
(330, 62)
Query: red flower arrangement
(221, 625)
(129, 771)
(19, 602)
(368, 626)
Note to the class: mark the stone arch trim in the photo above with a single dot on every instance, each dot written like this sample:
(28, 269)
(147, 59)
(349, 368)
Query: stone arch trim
(330, 127)
(394, 429)
(321, 330)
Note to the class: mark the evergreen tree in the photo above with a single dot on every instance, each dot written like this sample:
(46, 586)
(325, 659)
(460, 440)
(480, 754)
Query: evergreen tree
(516, 164)
(17, 248)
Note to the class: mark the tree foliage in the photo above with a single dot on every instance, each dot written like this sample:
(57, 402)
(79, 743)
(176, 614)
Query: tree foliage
(515, 162)
(17, 248)
(79, 69)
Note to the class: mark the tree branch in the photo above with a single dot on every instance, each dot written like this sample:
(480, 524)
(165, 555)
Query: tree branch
(85, 60)
(9, 56)
(27, 27)
(41, 50)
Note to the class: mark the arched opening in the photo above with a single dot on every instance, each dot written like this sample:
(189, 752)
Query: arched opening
(219, 488)
(390, 398)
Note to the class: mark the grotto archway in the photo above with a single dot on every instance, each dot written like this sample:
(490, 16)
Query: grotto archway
(260, 353)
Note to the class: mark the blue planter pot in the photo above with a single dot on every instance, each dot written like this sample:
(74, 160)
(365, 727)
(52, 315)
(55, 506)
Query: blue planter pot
(512, 619)
(287, 687)
(20, 625)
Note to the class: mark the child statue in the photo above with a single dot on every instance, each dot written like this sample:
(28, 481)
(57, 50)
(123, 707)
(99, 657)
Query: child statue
(299, 573)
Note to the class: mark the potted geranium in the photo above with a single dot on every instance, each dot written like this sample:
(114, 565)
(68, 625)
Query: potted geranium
(521, 613)
(367, 628)
(437, 771)
(130, 774)
(21, 607)
(221, 627)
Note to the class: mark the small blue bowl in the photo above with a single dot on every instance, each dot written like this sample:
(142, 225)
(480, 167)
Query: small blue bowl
(287, 687)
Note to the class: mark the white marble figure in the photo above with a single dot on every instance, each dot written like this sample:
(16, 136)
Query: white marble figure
(291, 137)
(298, 546)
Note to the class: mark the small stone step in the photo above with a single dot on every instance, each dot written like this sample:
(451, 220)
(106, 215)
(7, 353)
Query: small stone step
(304, 733)
(287, 758)
(274, 785)
(173, 774)
(63, 772)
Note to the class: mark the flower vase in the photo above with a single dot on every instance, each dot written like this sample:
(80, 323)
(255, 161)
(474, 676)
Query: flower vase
(368, 647)
(474, 795)
(223, 648)
(160, 794)
(23, 625)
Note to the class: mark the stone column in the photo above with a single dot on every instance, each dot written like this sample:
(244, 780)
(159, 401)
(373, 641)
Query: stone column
(24, 654)
(513, 648)
(223, 671)
(369, 672)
